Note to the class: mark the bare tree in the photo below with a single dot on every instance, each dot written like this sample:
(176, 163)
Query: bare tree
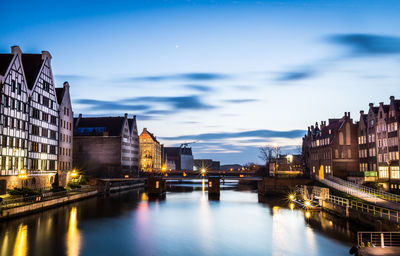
(267, 152)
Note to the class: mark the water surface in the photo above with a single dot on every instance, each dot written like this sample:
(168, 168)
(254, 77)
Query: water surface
(185, 223)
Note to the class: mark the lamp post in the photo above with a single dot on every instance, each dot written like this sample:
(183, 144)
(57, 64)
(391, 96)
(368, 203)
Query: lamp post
(22, 176)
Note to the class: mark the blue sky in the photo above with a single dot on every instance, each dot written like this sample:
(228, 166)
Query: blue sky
(231, 75)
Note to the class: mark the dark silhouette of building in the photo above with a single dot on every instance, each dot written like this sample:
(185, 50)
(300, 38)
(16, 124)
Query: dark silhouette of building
(106, 147)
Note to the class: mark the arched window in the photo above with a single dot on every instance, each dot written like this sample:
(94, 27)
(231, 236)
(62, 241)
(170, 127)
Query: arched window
(348, 134)
(341, 138)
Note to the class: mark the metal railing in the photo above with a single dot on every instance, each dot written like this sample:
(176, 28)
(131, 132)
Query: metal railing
(348, 189)
(378, 239)
(45, 196)
(338, 200)
(367, 190)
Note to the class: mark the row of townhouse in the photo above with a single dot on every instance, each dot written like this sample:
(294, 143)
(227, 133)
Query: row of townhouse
(378, 143)
(32, 120)
(365, 151)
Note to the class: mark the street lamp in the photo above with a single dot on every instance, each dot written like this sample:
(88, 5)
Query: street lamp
(22, 176)
(74, 173)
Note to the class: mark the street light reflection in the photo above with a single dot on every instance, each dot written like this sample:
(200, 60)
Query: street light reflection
(73, 235)
(20, 246)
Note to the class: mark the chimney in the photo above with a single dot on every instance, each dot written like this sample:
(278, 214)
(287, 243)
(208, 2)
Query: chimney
(362, 112)
(80, 116)
(316, 124)
(348, 114)
(66, 85)
(371, 105)
(391, 98)
(345, 114)
(380, 103)
(46, 54)
(15, 49)
(134, 123)
(126, 115)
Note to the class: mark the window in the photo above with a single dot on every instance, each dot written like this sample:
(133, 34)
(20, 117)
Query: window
(35, 147)
(46, 86)
(19, 88)
(45, 132)
(13, 85)
(52, 149)
(45, 117)
(46, 101)
(44, 148)
(53, 120)
(35, 113)
(383, 172)
(395, 172)
(35, 130)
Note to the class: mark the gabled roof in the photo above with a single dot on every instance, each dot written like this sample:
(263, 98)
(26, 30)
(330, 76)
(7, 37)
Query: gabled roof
(113, 125)
(150, 134)
(32, 64)
(5, 60)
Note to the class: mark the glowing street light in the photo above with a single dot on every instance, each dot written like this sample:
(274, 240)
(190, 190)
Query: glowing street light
(307, 203)
(74, 173)
(291, 197)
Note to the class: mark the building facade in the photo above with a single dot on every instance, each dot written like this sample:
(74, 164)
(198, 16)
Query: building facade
(29, 120)
(333, 148)
(104, 146)
(179, 158)
(150, 152)
(65, 131)
(378, 140)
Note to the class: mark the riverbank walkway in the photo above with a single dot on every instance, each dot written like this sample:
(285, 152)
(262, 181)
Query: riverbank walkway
(361, 193)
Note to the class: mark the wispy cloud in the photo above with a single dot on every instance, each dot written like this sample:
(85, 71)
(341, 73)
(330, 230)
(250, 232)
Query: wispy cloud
(254, 133)
(181, 77)
(192, 102)
(238, 101)
(109, 105)
(197, 87)
(295, 75)
(368, 44)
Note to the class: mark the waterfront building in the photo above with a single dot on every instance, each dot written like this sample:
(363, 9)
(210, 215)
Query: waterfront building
(179, 157)
(286, 164)
(106, 147)
(378, 140)
(150, 152)
(29, 120)
(333, 148)
(65, 131)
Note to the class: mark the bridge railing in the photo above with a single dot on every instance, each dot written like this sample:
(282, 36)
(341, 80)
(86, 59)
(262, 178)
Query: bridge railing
(367, 190)
(378, 239)
(338, 200)
(15, 202)
(347, 189)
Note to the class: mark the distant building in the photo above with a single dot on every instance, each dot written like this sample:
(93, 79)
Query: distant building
(150, 152)
(332, 148)
(229, 167)
(65, 134)
(106, 147)
(286, 164)
(207, 164)
(179, 158)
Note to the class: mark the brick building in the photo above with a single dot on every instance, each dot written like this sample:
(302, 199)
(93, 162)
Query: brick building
(150, 152)
(378, 140)
(332, 148)
(106, 147)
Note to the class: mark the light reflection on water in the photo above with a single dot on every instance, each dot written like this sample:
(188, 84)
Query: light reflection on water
(184, 224)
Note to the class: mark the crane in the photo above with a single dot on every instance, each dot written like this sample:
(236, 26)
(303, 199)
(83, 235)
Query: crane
(184, 145)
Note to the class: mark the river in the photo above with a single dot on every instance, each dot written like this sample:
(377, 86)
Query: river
(185, 223)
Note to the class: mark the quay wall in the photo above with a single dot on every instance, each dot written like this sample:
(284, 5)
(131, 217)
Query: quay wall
(276, 186)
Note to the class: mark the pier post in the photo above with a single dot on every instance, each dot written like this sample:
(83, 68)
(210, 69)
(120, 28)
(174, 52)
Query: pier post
(213, 188)
(156, 187)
